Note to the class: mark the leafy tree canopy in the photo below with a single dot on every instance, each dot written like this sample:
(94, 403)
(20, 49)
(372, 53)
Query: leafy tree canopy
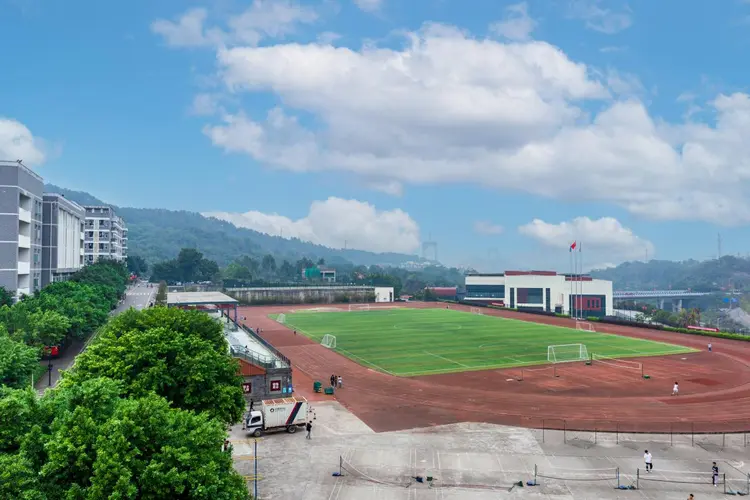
(137, 265)
(180, 355)
(94, 443)
(190, 266)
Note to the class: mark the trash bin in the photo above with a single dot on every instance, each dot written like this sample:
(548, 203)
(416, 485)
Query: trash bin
(329, 391)
(316, 386)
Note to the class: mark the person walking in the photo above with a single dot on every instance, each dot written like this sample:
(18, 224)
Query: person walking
(691, 497)
(649, 461)
(333, 380)
(710, 347)
(308, 427)
(341, 382)
(715, 474)
(676, 389)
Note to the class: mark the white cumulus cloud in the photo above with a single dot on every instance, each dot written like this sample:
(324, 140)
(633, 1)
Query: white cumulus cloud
(337, 223)
(262, 19)
(485, 227)
(602, 19)
(606, 238)
(517, 24)
(369, 5)
(18, 143)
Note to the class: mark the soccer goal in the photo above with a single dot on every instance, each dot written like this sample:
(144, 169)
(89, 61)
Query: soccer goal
(328, 341)
(584, 326)
(566, 353)
(281, 318)
(476, 310)
(359, 307)
(625, 364)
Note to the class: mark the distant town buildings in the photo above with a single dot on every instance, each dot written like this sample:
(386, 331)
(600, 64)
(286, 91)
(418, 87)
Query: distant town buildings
(45, 237)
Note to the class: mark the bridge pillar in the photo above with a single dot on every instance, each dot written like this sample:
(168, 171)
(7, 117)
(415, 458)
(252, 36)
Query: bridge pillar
(679, 305)
(660, 303)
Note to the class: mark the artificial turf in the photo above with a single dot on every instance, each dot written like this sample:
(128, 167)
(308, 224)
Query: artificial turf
(411, 342)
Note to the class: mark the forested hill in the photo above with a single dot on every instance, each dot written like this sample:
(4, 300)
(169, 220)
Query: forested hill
(727, 273)
(158, 235)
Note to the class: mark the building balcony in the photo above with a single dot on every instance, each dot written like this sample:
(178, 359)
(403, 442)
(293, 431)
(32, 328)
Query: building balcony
(24, 268)
(24, 241)
(23, 291)
(24, 215)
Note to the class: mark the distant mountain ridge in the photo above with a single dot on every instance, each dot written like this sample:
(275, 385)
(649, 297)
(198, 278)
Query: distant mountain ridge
(159, 234)
(726, 273)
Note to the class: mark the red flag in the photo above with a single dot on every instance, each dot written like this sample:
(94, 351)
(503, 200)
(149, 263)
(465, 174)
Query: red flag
(573, 246)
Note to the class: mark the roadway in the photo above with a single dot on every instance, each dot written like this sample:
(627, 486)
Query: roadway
(137, 296)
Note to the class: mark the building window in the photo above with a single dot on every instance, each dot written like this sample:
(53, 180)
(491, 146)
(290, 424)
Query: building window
(36, 283)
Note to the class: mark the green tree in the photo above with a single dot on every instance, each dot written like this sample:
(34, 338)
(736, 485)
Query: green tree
(47, 328)
(18, 479)
(19, 412)
(161, 294)
(180, 355)
(101, 445)
(268, 264)
(18, 362)
(287, 270)
(6, 298)
(237, 271)
(137, 265)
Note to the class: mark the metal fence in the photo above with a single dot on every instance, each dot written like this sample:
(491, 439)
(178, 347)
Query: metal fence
(716, 435)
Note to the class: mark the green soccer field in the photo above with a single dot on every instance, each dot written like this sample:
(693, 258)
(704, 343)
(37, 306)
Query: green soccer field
(411, 342)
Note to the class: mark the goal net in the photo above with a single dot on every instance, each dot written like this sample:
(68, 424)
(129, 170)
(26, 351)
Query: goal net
(566, 353)
(359, 307)
(281, 318)
(328, 341)
(617, 363)
(476, 310)
(584, 326)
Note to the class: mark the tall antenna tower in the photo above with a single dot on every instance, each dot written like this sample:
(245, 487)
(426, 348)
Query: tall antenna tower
(718, 241)
(429, 249)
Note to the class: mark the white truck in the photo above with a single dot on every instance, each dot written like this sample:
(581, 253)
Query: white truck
(278, 414)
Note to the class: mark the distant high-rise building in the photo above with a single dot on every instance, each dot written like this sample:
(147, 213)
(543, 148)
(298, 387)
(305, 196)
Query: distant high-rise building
(20, 228)
(62, 238)
(105, 235)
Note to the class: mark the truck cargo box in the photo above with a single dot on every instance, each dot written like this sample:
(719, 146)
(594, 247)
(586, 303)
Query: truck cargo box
(284, 412)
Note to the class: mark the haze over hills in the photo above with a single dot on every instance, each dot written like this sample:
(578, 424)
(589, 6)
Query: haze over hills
(726, 273)
(159, 234)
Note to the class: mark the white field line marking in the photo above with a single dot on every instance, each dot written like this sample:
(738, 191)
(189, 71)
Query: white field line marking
(367, 363)
(446, 359)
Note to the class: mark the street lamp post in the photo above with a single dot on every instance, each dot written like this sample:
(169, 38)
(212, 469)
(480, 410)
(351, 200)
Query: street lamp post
(49, 371)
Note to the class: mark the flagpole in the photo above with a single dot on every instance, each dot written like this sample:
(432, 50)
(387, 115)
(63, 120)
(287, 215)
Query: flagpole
(570, 295)
(580, 280)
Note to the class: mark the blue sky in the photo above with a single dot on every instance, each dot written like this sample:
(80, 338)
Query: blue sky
(620, 124)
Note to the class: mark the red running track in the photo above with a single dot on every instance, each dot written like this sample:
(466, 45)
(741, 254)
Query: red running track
(714, 387)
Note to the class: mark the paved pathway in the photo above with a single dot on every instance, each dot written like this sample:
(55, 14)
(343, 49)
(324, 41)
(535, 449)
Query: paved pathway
(137, 296)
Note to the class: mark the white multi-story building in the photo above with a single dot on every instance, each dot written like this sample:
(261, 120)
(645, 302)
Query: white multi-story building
(20, 228)
(542, 290)
(105, 235)
(62, 238)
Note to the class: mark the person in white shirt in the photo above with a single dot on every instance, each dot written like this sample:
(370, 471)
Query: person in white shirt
(649, 463)
(710, 347)
(676, 389)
